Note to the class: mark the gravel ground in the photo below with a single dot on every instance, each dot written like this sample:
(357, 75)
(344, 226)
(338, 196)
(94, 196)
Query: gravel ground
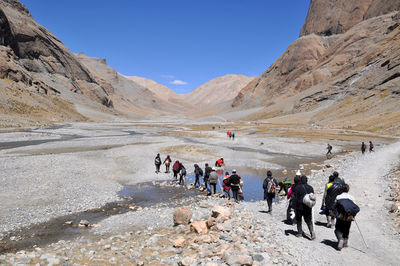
(70, 182)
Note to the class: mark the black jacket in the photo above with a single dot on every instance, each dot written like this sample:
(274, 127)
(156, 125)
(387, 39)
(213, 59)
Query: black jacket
(299, 193)
(234, 182)
(335, 190)
(207, 171)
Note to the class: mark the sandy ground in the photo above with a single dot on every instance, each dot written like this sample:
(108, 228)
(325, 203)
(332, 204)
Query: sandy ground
(76, 167)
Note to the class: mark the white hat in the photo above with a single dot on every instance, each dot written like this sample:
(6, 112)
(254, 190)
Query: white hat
(234, 171)
(213, 168)
(298, 173)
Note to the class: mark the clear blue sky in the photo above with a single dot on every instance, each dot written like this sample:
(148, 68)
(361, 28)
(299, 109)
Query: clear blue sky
(176, 40)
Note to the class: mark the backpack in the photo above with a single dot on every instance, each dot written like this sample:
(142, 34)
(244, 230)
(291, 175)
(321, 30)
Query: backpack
(271, 186)
(347, 207)
(175, 167)
(309, 200)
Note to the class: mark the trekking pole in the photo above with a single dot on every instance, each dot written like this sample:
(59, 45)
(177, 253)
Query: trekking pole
(361, 233)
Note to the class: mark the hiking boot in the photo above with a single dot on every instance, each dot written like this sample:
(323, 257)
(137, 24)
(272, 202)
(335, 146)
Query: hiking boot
(340, 244)
(329, 225)
(299, 234)
(345, 245)
(313, 235)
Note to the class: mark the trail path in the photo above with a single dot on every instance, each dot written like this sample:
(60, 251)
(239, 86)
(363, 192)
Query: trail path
(365, 174)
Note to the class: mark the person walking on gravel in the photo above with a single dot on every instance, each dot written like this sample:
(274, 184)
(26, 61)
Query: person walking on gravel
(225, 186)
(182, 174)
(371, 146)
(207, 171)
(345, 209)
(363, 147)
(157, 162)
(269, 185)
(167, 162)
(234, 183)
(198, 172)
(330, 217)
(301, 209)
(176, 168)
(330, 197)
(213, 181)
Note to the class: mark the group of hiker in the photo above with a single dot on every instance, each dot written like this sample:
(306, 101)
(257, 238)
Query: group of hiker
(230, 135)
(337, 204)
(363, 148)
(177, 167)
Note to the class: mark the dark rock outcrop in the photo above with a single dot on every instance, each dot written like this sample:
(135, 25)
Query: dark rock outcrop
(328, 17)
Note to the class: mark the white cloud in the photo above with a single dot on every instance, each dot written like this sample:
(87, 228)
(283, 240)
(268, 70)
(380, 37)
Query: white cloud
(168, 76)
(178, 82)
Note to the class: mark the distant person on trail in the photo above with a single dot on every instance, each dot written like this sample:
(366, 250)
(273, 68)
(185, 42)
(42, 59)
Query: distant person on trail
(330, 217)
(363, 147)
(329, 148)
(371, 146)
(225, 186)
(182, 174)
(157, 162)
(167, 163)
(346, 210)
(269, 185)
(213, 181)
(176, 168)
(219, 162)
(301, 209)
(198, 172)
(207, 171)
(234, 183)
(233, 136)
(228, 134)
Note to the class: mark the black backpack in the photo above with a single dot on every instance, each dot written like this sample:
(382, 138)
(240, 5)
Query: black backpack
(347, 207)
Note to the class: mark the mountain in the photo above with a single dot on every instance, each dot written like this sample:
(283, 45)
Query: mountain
(346, 79)
(217, 91)
(157, 88)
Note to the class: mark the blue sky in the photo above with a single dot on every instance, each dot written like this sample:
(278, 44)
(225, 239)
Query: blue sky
(178, 43)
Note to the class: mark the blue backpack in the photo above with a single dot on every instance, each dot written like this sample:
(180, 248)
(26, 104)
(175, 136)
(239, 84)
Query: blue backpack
(347, 207)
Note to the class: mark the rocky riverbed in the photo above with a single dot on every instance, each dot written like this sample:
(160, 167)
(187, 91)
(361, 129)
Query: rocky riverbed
(247, 235)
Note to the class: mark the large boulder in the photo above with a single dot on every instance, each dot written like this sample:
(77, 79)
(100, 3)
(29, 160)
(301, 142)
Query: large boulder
(182, 216)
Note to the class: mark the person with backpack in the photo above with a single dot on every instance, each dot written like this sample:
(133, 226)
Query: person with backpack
(269, 187)
(329, 148)
(213, 179)
(234, 184)
(331, 193)
(302, 191)
(285, 185)
(371, 146)
(176, 168)
(233, 136)
(167, 162)
(329, 216)
(207, 171)
(157, 162)
(346, 210)
(182, 174)
(290, 213)
(198, 172)
(363, 147)
(225, 186)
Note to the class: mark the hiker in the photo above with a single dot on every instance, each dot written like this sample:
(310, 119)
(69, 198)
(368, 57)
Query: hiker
(198, 172)
(182, 174)
(363, 147)
(225, 186)
(330, 217)
(219, 162)
(233, 136)
(213, 179)
(207, 171)
(167, 162)
(285, 185)
(331, 193)
(371, 146)
(269, 187)
(301, 209)
(234, 183)
(228, 133)
(329, 148)
(345, 209)
(290, 213)
(176, 168)
(157, 162)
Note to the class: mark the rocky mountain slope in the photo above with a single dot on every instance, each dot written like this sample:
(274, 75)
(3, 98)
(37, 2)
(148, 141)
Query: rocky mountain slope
(346, 80)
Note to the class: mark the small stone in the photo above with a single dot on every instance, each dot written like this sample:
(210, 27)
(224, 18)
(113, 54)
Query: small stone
(84, 223)
(179, 243)
(199, 227)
